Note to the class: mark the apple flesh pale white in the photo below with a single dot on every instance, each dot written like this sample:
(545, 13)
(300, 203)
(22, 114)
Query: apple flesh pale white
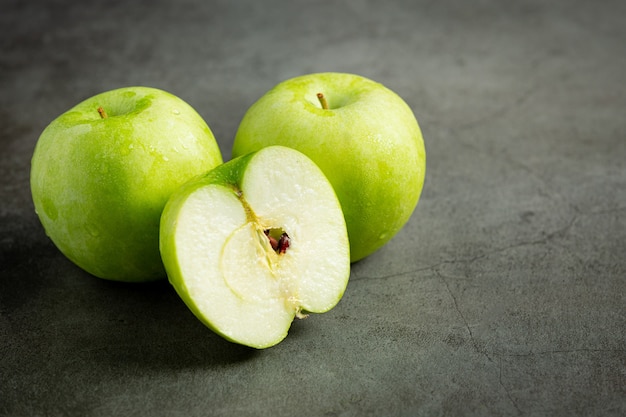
(362, 135)
(256, 242)
(102, 172)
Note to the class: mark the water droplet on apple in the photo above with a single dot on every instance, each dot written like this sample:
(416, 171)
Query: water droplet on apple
(175, 112)
(382, 236)
(165, 158)
(93, 231)
(49, 208)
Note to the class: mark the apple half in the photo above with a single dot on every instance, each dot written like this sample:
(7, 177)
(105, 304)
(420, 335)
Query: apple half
(255, 243)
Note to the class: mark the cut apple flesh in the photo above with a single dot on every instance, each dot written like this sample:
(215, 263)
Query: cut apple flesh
(250, 254)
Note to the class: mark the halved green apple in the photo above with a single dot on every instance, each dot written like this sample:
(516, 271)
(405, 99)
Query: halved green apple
(256, 242)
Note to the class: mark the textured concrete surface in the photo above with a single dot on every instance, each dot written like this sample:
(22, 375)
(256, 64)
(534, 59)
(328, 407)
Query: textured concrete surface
(505, 293)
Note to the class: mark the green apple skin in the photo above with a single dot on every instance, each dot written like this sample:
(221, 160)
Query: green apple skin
(367, 142)
(99, 184)
(226, 272)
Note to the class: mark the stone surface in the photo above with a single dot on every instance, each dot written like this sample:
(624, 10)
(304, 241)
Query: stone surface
(503, 295)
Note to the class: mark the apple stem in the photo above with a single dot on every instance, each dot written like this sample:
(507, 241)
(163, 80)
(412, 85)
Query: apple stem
(323, 101)
(103, 114)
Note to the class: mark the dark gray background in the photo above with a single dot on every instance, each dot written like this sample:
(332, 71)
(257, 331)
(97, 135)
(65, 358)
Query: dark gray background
(503, 295)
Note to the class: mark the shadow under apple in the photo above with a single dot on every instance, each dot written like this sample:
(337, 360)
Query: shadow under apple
(59, 317)
(150, 327)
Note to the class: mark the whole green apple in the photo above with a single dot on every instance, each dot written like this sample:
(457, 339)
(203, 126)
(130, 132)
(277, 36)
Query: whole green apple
(257, 241)
(102, 172)
(363, 136)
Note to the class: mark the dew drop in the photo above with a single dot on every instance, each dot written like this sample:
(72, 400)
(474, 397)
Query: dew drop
(175, 112)
(93, 231)
(49, 208)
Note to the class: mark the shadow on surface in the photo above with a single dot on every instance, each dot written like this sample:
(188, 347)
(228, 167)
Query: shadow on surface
(148, 326)
(84, 322)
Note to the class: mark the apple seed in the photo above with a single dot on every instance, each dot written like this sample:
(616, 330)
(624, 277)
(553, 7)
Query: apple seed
(279, 245)
(283, 243)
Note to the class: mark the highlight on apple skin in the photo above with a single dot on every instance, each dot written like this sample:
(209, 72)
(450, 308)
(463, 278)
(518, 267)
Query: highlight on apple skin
(362, 135)
(255, 243)
(102, 172)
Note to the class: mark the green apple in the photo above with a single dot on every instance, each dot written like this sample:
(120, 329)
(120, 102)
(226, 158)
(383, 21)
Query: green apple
(256, 242)
(363, 136)
(102, 172)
